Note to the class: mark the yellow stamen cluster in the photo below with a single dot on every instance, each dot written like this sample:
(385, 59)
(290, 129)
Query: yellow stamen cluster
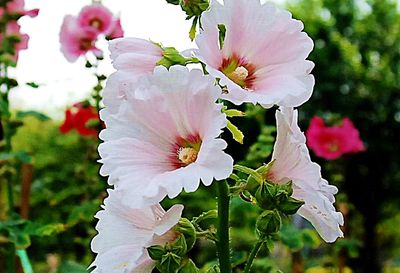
(239, 75)
(187, 155)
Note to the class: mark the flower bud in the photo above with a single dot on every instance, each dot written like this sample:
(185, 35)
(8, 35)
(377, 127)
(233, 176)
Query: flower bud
(290, 206)
(194, 8)
(179, 246)
(265, 196)
(169, 263)
(189, 267)
(156, 252)
(185, 227)
(171, 57)
(268, 223)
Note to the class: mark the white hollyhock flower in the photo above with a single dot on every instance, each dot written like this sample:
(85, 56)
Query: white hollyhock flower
(291, 161)
(124, 234)
(165, 137)
(263, 57)
(132, 58)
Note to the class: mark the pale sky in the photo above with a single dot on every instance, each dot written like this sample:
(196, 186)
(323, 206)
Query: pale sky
(63, 83)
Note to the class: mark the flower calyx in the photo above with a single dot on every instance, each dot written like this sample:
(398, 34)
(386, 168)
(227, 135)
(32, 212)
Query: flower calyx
(171, 56)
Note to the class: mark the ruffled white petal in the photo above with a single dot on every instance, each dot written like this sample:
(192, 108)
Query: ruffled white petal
(268, 39)
(140, 138)
(292, 162)
(124, 233)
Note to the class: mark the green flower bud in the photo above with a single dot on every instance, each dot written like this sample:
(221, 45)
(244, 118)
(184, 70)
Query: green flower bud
(169, 263)
(173, 2)
(185, 227)
(265, 196)
(290, 206)
(252, 185)
(179, 246)
(156, 252)
(194, 7)
(269, 222)
(189, 267)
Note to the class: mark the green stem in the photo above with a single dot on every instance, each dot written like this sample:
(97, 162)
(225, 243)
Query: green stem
(223, 228)
(26, 264)
(253, 254)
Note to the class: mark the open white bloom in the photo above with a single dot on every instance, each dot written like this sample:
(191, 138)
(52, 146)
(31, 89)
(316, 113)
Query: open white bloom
(292, 162)
(124, 234)
(132, 58)
(165, 137)
(263, 56)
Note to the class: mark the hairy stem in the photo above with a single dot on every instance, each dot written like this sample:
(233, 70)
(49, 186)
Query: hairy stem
(223, 227)
(253, 254)
(26, 264)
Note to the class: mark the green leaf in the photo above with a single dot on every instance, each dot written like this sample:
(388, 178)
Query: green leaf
(36, 229)
(234, 113)
(192, 31)
(236, 133)
(249, 171)
(189, 267)
(38, 115)
(32, 84)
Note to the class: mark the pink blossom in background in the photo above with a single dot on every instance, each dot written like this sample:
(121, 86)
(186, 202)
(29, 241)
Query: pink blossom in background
(76, 41)
(263, 57)
(77, 117)
(165, 137)
(96, 17)
(13, 29)
(116, 30)
(78, 35)
(125, 233)
(332, 142)
(291, 162)
(18, 7)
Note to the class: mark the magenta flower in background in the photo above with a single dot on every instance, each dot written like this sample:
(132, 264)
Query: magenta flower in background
(96, 17)
(124, 233)
(332, 142)
(165, 137)
(13, 29)
(78, 35)
(263, 56)
(116, 30)
(18, 7)
(76, 41)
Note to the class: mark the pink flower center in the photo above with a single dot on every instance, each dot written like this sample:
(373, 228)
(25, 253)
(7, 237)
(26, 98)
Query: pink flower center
(239, 70)
(86, 44)
(185, 151)
(333, 146)
(96, 23)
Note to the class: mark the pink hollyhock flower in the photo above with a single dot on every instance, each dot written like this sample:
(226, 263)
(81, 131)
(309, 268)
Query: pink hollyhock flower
(291, 162)
(76, 41)
(96, 17)
(18, 7)
(332, 142)
(77, 117)
(116, 30)
(165, 137)
(263, 57)
(132, 57)
(13, 29)
(125, 233)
